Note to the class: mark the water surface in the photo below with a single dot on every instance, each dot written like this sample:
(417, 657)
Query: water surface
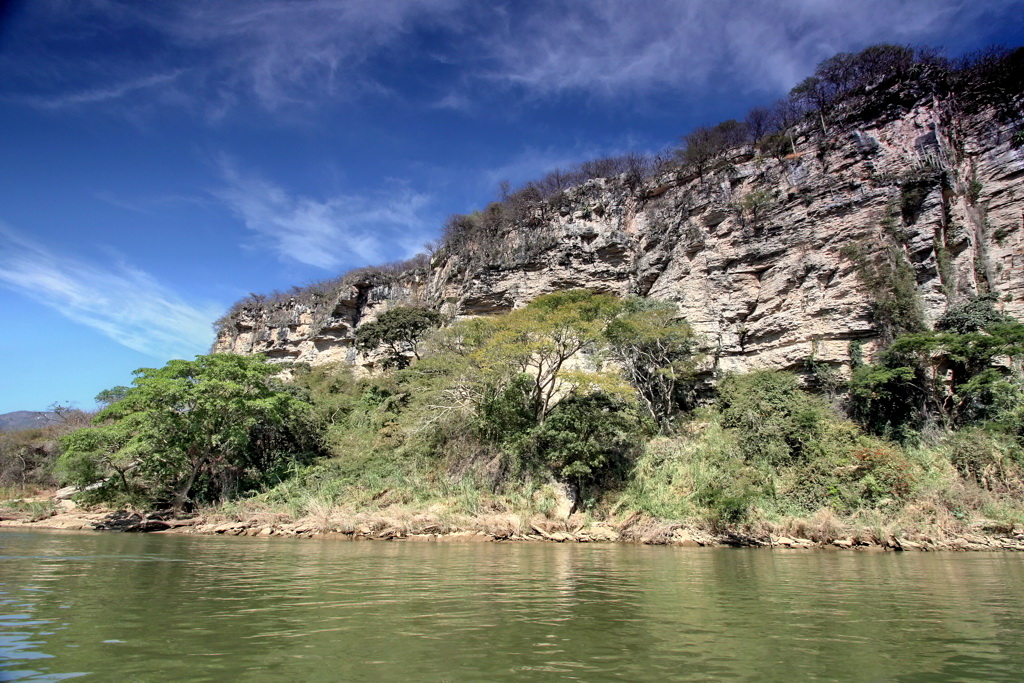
(157, 607)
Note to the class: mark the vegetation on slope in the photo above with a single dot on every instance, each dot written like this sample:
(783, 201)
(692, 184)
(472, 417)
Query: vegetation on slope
(589, 393)
(581, 390)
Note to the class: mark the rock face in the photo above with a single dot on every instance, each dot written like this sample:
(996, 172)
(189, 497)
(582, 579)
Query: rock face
(756, 253)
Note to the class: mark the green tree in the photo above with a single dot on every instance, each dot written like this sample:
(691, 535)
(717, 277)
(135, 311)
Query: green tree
(112, 395)
(532, 347)
(400, 330)
(588, 439)
(973, 375)
(968, 370)
(191, 432)
(656, 350)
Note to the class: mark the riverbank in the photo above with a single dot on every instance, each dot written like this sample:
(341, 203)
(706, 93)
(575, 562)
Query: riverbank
(799, 534)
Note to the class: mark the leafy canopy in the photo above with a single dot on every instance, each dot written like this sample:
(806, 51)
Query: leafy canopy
(400, 331)
(532, 347)
(966, 371)
(657, 351)
(191, 432)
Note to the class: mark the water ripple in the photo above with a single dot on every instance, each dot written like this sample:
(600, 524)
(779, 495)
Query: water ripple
(163, 607)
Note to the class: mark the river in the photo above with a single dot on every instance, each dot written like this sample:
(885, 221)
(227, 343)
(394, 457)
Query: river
(164, 607)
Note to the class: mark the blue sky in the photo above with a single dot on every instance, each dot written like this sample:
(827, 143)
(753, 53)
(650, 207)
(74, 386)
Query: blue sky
(160, 160)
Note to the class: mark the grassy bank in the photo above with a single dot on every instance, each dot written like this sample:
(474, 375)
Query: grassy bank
(580, 414)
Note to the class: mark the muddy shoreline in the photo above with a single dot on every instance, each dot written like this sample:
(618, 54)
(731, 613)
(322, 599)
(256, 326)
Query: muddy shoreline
(512, 528)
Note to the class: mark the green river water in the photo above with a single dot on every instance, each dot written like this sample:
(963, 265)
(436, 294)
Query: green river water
(158, 607)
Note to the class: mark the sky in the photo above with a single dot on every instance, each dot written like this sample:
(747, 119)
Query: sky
(161, 160)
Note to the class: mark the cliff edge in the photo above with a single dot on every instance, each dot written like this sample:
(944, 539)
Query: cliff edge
(773, 256)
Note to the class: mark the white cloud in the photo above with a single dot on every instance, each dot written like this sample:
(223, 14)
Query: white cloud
(612, 47)
(107, 93)
(219, 56)
(211, 56)
(284, 53)
(121, 302)
(332, 233)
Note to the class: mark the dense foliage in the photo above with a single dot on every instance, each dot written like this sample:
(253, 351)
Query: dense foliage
(588, 391)
(399, 331)
(191, 432)
(966, 371)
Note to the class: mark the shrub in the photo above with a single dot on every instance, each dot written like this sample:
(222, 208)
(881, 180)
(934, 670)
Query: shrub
(590, 440)
(887, 400)
(989, 458)
(974, 189)
(891, 285)
(775, 145)
(977, 313)
(778, 423)
(756, 203)
(885, 474)
(912, 197)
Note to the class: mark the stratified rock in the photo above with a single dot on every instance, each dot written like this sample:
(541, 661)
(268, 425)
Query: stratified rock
(756, 254)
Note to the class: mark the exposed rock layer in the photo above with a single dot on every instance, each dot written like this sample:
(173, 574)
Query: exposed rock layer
(752, 252)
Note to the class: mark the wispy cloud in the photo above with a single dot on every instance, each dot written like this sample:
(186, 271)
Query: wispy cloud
(220, 56)
(610, 47)
(120, 301)
(339, 231)
(223, 54)
(285, 53)
(108, 93)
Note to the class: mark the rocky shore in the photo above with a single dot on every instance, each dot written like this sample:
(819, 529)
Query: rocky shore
(980, 536)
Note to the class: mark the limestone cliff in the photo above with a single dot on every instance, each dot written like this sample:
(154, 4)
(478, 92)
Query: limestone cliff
(756, 252)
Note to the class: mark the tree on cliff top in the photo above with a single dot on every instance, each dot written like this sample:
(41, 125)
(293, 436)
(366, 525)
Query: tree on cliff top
(191, 432)
(704, 145)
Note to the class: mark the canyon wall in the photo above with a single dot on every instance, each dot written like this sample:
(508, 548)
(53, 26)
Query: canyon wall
(764, 255)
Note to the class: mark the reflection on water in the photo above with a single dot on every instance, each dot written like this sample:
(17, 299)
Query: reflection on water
(145, 607)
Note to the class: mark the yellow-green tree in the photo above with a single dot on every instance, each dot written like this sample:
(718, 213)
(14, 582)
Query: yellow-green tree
(656, 350)
(551, 349)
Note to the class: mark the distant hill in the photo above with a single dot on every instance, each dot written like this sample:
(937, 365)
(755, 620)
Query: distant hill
(25, 419)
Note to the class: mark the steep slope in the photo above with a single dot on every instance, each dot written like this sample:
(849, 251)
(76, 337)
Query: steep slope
(772, 259)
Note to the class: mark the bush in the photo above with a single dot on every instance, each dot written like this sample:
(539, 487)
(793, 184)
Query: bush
(590, 440)
(914, 190)
(777, 422)
(991, 459)
(884, 473)
(887, 400)
(775, 145)
(977, 313)
(891, 285)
